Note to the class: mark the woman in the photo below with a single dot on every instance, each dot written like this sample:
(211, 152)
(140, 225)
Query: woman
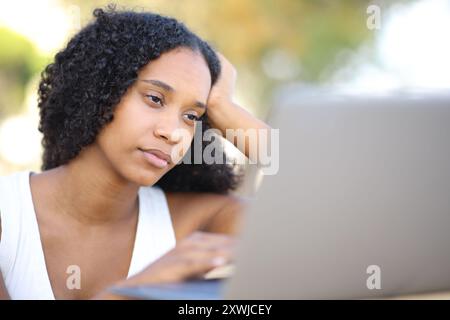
(113, 198)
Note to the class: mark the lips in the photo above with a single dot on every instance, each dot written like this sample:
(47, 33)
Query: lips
(156, 157)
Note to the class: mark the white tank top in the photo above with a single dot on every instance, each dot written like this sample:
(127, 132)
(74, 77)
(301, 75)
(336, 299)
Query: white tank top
(22, 259)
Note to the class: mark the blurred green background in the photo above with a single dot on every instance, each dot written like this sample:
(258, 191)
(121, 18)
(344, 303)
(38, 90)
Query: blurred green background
(271, 43)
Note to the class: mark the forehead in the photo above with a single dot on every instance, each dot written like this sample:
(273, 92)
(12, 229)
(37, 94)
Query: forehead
(183, 69)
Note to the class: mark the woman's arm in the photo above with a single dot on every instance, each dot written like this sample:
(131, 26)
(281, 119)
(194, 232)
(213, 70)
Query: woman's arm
(224, 113)
(194, 256)
(228, 218)
(3, 292)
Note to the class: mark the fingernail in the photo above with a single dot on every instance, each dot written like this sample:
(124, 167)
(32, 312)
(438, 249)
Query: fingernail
(219, 261)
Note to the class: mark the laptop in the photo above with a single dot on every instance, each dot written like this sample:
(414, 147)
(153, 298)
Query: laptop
(359, 208)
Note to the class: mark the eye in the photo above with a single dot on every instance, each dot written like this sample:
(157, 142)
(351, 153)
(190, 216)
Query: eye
(155, 99)
(191, 117)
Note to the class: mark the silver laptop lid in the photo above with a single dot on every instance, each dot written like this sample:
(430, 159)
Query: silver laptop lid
(360, 206)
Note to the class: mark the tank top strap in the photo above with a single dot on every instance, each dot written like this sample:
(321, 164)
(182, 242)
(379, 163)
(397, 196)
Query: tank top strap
(155, 235)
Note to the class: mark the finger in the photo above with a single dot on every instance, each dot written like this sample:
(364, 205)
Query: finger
(224, 252)
(198, 267)
(204, 239)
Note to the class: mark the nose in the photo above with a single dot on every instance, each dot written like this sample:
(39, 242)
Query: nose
(166, 129)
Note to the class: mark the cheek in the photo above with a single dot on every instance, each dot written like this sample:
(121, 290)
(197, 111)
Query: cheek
(116, 135)
(112, 143)
(121, 134)
(132, 121)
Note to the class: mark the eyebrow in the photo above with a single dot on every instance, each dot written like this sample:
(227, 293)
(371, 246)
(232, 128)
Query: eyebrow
(168, 88)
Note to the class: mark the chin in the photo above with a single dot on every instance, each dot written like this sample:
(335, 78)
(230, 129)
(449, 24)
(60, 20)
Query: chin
(146, 177)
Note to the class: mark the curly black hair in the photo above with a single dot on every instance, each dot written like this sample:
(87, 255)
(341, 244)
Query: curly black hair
(79, 91)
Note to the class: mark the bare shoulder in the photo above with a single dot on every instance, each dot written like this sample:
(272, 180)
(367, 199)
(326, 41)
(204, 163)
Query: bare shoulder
(209, 212)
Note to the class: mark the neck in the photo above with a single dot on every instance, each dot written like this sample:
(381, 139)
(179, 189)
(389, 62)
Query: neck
(91, 192)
